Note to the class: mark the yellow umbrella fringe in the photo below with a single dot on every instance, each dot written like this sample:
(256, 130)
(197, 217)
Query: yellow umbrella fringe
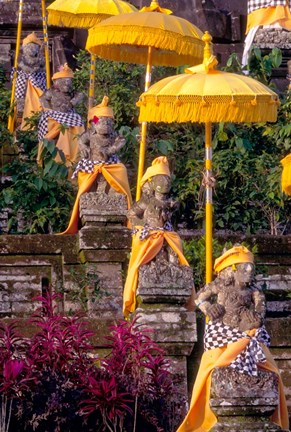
(202, 112)
(78, 21)
(116, 34)
(168, 54)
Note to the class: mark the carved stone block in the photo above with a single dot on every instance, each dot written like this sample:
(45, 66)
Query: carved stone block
(166, 282)
(243, 403)
(100, 208)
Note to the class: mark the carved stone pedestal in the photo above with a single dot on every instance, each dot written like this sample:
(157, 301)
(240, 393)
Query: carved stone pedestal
(163, 290)
(243, 403)
(104, 242)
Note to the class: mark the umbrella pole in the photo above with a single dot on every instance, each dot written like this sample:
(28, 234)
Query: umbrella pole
(12, 114)
(92, 81)
(46, 44)
(142, 147)
(208, 204)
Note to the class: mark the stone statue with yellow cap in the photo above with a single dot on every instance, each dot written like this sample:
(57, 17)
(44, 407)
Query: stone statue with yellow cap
(238, 385)
(100, 142)
(233, 298)
(155, 208)
(31, 78)
(59, 121)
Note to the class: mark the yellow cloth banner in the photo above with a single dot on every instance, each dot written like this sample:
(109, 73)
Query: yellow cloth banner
(31, 103)
(270, 15)
(200, 418)
(115, 175)
(143, 251)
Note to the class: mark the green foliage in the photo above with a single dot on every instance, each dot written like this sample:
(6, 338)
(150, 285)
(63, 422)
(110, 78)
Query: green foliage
(40, 197)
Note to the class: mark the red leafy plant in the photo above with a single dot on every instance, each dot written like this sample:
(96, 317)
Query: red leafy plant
(136, 392)
(52, 382)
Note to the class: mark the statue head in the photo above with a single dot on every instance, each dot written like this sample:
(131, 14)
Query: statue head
(31, 45)
(101, 118)
(158, 176)
(236, 266)
(63, 79)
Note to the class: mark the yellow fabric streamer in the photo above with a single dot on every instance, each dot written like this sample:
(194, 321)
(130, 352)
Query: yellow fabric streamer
(31, 104)
(270, 15)
(67, 142)
(115, 175)
(143, 251)
(286, 175)
(200, 418)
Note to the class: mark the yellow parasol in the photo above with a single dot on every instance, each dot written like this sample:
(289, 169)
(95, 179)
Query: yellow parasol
(204, 94)
(84, 14)
(151, 36)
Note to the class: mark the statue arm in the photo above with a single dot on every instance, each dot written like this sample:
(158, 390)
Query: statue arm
(45, 99)
(84, 145)
(78, 97)
(117, 145)
(259, 302)
(214, 311)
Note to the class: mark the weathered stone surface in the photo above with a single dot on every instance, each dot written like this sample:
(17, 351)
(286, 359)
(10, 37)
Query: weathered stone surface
(99, 238)
(273, 38)
(161, 281)
(242, 402)
(101, 208)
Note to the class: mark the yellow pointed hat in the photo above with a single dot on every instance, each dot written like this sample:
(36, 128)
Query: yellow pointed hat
(101, 110)
(32, 38)
(159, 165)
(235, 255)
(64, 72)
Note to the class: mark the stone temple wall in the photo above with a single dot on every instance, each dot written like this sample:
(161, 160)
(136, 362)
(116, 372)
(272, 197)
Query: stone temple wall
(89, 268)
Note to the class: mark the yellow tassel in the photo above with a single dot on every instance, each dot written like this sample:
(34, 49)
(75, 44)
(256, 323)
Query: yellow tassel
(254, 102)
(178, 102)
(286, 175)
(232, 103)
(157, 102)
(203, 103)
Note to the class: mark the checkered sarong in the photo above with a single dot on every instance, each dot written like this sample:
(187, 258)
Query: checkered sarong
(145, 231)
(87, 165)
(37, 79)
(218, 335)
(70, 118)
(259, 4)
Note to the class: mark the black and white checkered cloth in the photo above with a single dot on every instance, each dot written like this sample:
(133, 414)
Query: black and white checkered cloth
(87, 165)
(218, 335)
(70, 118)
(145, 231)
(259, 4)
(38, 79)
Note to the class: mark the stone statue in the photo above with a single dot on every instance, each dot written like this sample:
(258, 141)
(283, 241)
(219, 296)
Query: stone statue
(31, 78)
(156, 248)
(100, 142)
(59, 120)
(61, 96)
(104, 193)
(233, 298)
(155, 207)
(238, 385)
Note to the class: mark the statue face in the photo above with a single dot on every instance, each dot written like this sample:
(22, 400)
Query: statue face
(65, 85)
(31, 50)
(104, 126)
(244, 273)
(161, 183)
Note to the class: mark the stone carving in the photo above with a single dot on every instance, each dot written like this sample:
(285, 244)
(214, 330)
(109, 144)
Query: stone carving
(239, 303)
(31, 77)
(59, 121)
(237, 378)
(61, 96)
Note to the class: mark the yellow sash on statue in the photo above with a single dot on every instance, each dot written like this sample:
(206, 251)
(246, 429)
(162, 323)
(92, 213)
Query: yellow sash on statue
(114, 174)
(200, 418)
(143, 251)
(67, 141)
(31, 104)
(270, 15)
